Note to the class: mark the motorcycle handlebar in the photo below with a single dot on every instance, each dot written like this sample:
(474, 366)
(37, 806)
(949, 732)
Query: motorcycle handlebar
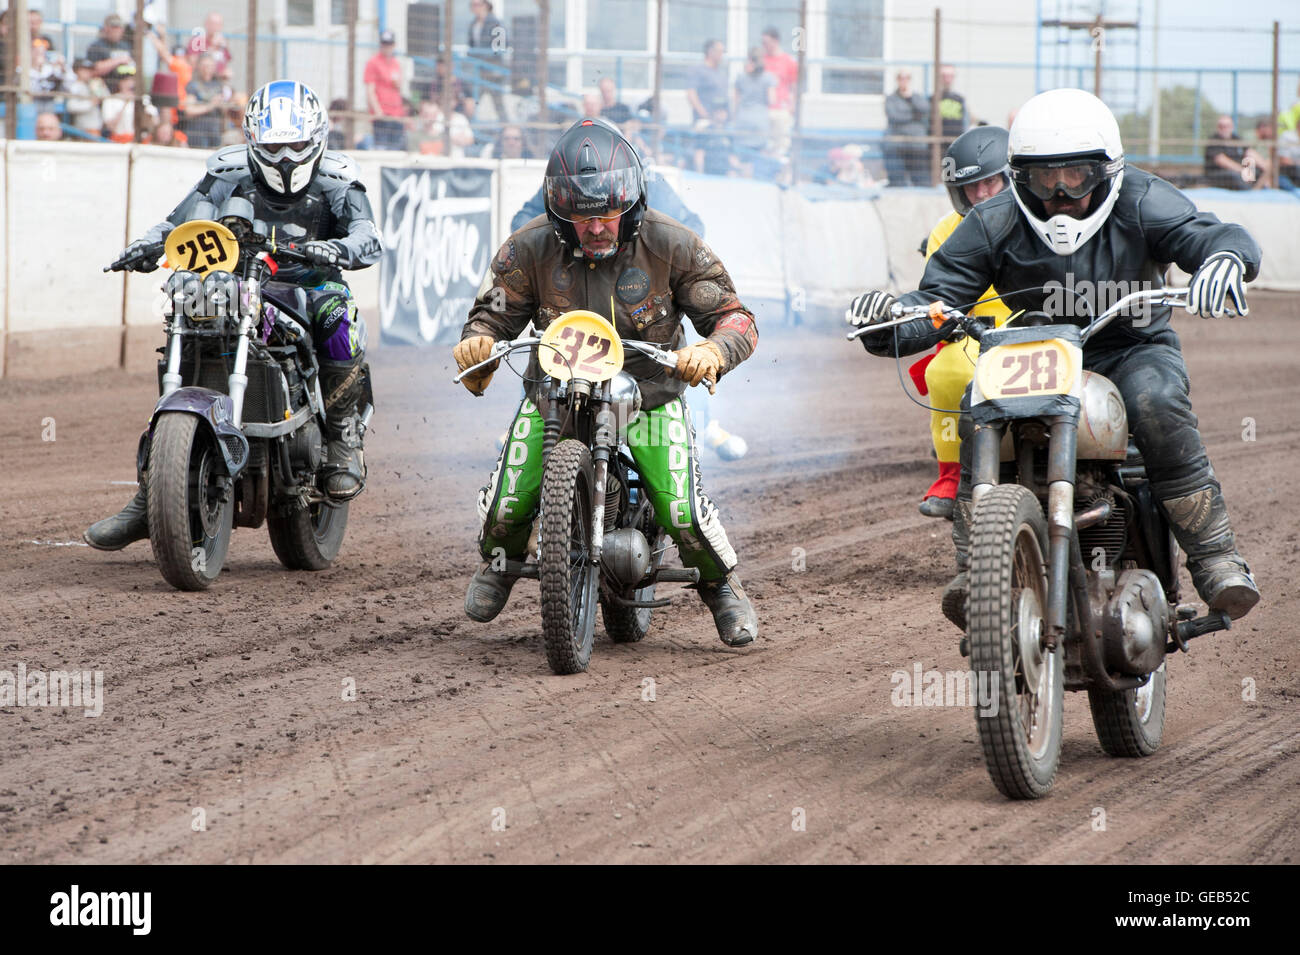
(133, 262)
(663, 356)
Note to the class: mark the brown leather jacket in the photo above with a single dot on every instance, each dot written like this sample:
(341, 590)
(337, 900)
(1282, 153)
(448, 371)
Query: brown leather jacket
(665, 272)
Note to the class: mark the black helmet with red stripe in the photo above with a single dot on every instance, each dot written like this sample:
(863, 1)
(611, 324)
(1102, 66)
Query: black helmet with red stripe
(594, 171)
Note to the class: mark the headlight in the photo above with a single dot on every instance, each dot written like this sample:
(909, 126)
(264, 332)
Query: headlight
(624, 400)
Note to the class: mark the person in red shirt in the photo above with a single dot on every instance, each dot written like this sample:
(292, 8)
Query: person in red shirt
(383, 79)
(786, 70)
(211, 40)
(781, 65)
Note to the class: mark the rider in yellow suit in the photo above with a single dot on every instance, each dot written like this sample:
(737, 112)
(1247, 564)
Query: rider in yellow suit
(974, 168)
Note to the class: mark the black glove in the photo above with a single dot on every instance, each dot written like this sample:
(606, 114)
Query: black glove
(140, 256)
(323, 253)
(870, 308)
(1218, 283)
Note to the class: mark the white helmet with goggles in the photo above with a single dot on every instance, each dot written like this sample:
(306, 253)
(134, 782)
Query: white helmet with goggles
(286, 130)
(1065, 145)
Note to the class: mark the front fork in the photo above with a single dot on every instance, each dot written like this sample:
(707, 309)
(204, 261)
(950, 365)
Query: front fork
(1062, 450)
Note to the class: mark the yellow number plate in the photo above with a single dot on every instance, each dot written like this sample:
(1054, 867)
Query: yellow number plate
(582, 345)
(202, 246)
(1028, 369)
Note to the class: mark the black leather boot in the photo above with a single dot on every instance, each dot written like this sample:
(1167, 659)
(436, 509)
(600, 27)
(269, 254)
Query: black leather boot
(957, 594)
(733, 614)
(1201, 526)
(127, 526)
(345, 468)
(487, 594)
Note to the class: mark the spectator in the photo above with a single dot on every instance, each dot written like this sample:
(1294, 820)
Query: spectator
(339, 124)
(783, 66)
(713, 155)
(634, 133)
(36, 21)
(590, 105)
(180, 63)
(1288, 153)
(755, 95)
(706, 89)
(610, 108)
(165, 134)
(952, 107)
(48, 127)
(908, 115)
(510, 144)
(112, 49)
(487, 43)
(383, 79)
(86, 92)
(428, 136)
(119, 107)
(1229, 163)
(212, 41)
(46, 76)
(1288, 121)
(206, 100)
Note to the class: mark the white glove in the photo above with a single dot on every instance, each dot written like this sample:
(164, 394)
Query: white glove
(1218, 284)
(322, 253)
(868, 309)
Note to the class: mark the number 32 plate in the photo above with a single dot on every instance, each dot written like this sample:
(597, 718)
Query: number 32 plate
(582, 345)
(1027, 369)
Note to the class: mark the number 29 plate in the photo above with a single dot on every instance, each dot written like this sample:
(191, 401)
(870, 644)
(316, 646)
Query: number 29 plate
(202, 246)
(582, 345)
(1027, 369)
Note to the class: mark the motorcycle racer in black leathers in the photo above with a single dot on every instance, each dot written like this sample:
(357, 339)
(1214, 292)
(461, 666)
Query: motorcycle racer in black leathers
(1077, 214)
(311, 197)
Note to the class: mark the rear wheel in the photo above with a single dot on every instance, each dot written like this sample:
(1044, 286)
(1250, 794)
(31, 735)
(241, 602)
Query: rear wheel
(309, 538)
(1130, 722)
(1021, 737)
(569, 578)
(191, 502)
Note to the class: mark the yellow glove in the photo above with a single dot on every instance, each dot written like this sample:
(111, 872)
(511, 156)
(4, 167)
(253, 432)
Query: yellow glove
(470, 352)
(698, 362)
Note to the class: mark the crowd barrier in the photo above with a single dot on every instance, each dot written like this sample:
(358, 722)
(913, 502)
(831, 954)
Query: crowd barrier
(795, 255)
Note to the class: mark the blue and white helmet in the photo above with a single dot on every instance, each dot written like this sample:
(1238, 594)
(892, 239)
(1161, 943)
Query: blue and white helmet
(286, 130)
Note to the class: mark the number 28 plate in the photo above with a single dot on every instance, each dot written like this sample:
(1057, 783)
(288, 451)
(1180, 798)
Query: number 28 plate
(582, 345)
(1027, 369)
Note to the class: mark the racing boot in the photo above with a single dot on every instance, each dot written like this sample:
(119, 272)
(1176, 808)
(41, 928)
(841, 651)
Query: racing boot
(127, 526)
(733, 614)
(345, 468)
(487, 594)
(957, 594)
(1220, 575)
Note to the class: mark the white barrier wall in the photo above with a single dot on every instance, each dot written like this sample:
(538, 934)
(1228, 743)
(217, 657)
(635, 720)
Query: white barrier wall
(68, 209)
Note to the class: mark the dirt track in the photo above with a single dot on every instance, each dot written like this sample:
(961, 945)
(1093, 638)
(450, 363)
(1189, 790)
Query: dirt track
(231, 700)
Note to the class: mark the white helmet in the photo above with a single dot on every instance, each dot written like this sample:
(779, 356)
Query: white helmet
(286, 131)
(1065, 143)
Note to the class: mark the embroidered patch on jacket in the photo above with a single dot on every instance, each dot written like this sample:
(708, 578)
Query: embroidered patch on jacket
(632, 286)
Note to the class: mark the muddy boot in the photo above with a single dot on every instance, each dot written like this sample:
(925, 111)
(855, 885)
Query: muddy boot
(487, 594)
(1220, 575)
(733, 614)
(957, 594)
(345, 469)
(937, 507)
(127, 526)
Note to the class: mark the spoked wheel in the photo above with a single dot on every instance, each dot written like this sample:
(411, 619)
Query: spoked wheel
(191, 502)
(1130, 722)
(568, 576)
(310, 537)
(1021, 735)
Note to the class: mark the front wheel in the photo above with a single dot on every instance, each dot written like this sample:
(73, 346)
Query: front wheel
(1021, 732)
(569, 578)
(1130, 722)
(191, 502)
(309, 538)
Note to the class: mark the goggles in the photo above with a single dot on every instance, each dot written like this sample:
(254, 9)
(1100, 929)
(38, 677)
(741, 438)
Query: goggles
(598, 195)
(1071, 178)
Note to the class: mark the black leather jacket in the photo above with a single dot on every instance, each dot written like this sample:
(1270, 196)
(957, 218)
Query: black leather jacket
(335, 206)
(1151, 225)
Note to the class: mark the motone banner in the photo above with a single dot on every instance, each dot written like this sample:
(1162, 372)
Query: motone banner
(437, 244)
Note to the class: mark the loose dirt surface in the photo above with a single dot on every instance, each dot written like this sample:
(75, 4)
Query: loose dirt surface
(231, 701)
